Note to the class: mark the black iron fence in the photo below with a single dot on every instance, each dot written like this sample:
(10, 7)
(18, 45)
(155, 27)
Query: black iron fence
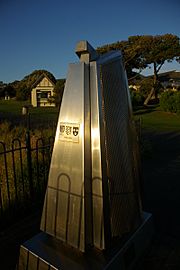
(24, 168)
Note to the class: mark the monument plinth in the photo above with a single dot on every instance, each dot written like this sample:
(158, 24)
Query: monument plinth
(92, 216)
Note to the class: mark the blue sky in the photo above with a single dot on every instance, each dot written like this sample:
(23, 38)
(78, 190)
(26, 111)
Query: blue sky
(42, 34)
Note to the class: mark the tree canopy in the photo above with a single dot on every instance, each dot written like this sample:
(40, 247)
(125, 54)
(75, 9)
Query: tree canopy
(140, 52)
(30, 79)
(7, 90)
(131, 55)
(58, 91)
(24, 86)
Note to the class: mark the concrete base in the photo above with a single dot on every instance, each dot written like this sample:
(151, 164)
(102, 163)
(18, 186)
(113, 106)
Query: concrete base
(44, 252)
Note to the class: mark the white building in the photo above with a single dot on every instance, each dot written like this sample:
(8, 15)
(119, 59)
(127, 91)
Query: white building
(42, 92)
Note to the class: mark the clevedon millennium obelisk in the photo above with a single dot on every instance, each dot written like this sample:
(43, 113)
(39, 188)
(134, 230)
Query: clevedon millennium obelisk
(92, 215)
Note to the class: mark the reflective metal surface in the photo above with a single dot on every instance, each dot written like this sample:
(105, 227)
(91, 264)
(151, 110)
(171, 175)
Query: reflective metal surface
(97, 193)
(116, 201)
(93, 191)
(44, 252)
(86, 52)
(63, 212)
(93, 197)
(125, 212)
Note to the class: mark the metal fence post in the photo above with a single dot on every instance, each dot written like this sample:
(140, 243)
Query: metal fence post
(29, 159)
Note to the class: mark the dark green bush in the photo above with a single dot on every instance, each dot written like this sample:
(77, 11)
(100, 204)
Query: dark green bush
(170, 101)
(137, 98)
(178, 102)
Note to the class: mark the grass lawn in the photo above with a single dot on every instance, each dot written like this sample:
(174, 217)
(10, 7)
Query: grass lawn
(12, 106)
(155, 120)
(15, 107)
(11, 111)
(152, 118)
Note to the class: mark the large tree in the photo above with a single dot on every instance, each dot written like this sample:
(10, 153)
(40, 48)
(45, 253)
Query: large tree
(131, 55)
(8, 90)
(142, 51)
(155, 51)
(24, 87)
(58, 91)
(30, 79)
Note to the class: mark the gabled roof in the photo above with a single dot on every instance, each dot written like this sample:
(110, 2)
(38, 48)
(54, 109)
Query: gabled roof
(40, 79)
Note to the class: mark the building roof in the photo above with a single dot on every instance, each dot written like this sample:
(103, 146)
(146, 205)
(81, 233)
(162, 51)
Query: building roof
(40, 79)
(169, 75)
(166, 76)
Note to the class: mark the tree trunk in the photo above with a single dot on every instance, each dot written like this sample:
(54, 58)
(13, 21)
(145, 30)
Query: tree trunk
(149, 96)
(155, 80)
(153, 89)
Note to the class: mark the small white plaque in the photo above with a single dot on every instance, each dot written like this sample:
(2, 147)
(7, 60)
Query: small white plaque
(69, 132)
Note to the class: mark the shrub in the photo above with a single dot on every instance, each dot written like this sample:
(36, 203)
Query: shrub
(177, 100)
(137, 98)
(167, 101)
(170, 101)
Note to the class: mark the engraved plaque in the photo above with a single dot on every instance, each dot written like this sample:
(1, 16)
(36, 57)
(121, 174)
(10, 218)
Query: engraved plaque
(69, 132)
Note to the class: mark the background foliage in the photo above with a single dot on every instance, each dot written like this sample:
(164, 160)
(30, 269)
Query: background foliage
(170, 101)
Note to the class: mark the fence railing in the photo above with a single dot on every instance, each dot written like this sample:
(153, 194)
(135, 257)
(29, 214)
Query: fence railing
(24, 168)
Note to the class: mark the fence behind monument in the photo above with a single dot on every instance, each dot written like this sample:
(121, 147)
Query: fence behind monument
(24, 168)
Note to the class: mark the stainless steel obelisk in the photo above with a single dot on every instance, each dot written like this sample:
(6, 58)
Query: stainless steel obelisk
(92, 201)
(93, 191)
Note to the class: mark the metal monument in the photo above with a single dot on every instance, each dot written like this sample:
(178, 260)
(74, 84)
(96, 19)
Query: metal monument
(92, 212)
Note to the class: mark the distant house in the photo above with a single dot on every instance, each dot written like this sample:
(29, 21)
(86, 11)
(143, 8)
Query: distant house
(170, 79)
(42, 92)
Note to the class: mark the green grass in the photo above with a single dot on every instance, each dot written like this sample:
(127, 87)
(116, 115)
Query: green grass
(43, 113)
(12, 106)
(155, 120)
(15, 107)
(11, 111)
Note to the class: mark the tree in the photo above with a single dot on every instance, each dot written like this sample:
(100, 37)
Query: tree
(156, 50)
(145, 86)
(131, 52)
(24, 87)
(23, 92)
(8, 90)
(58, 91)
(141, 51)
(30, 79)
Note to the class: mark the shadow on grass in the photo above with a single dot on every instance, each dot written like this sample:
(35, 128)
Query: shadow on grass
(145, 109)
(161, 173)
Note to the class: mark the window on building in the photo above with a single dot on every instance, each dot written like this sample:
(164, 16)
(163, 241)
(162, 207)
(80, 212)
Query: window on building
(43, 95)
